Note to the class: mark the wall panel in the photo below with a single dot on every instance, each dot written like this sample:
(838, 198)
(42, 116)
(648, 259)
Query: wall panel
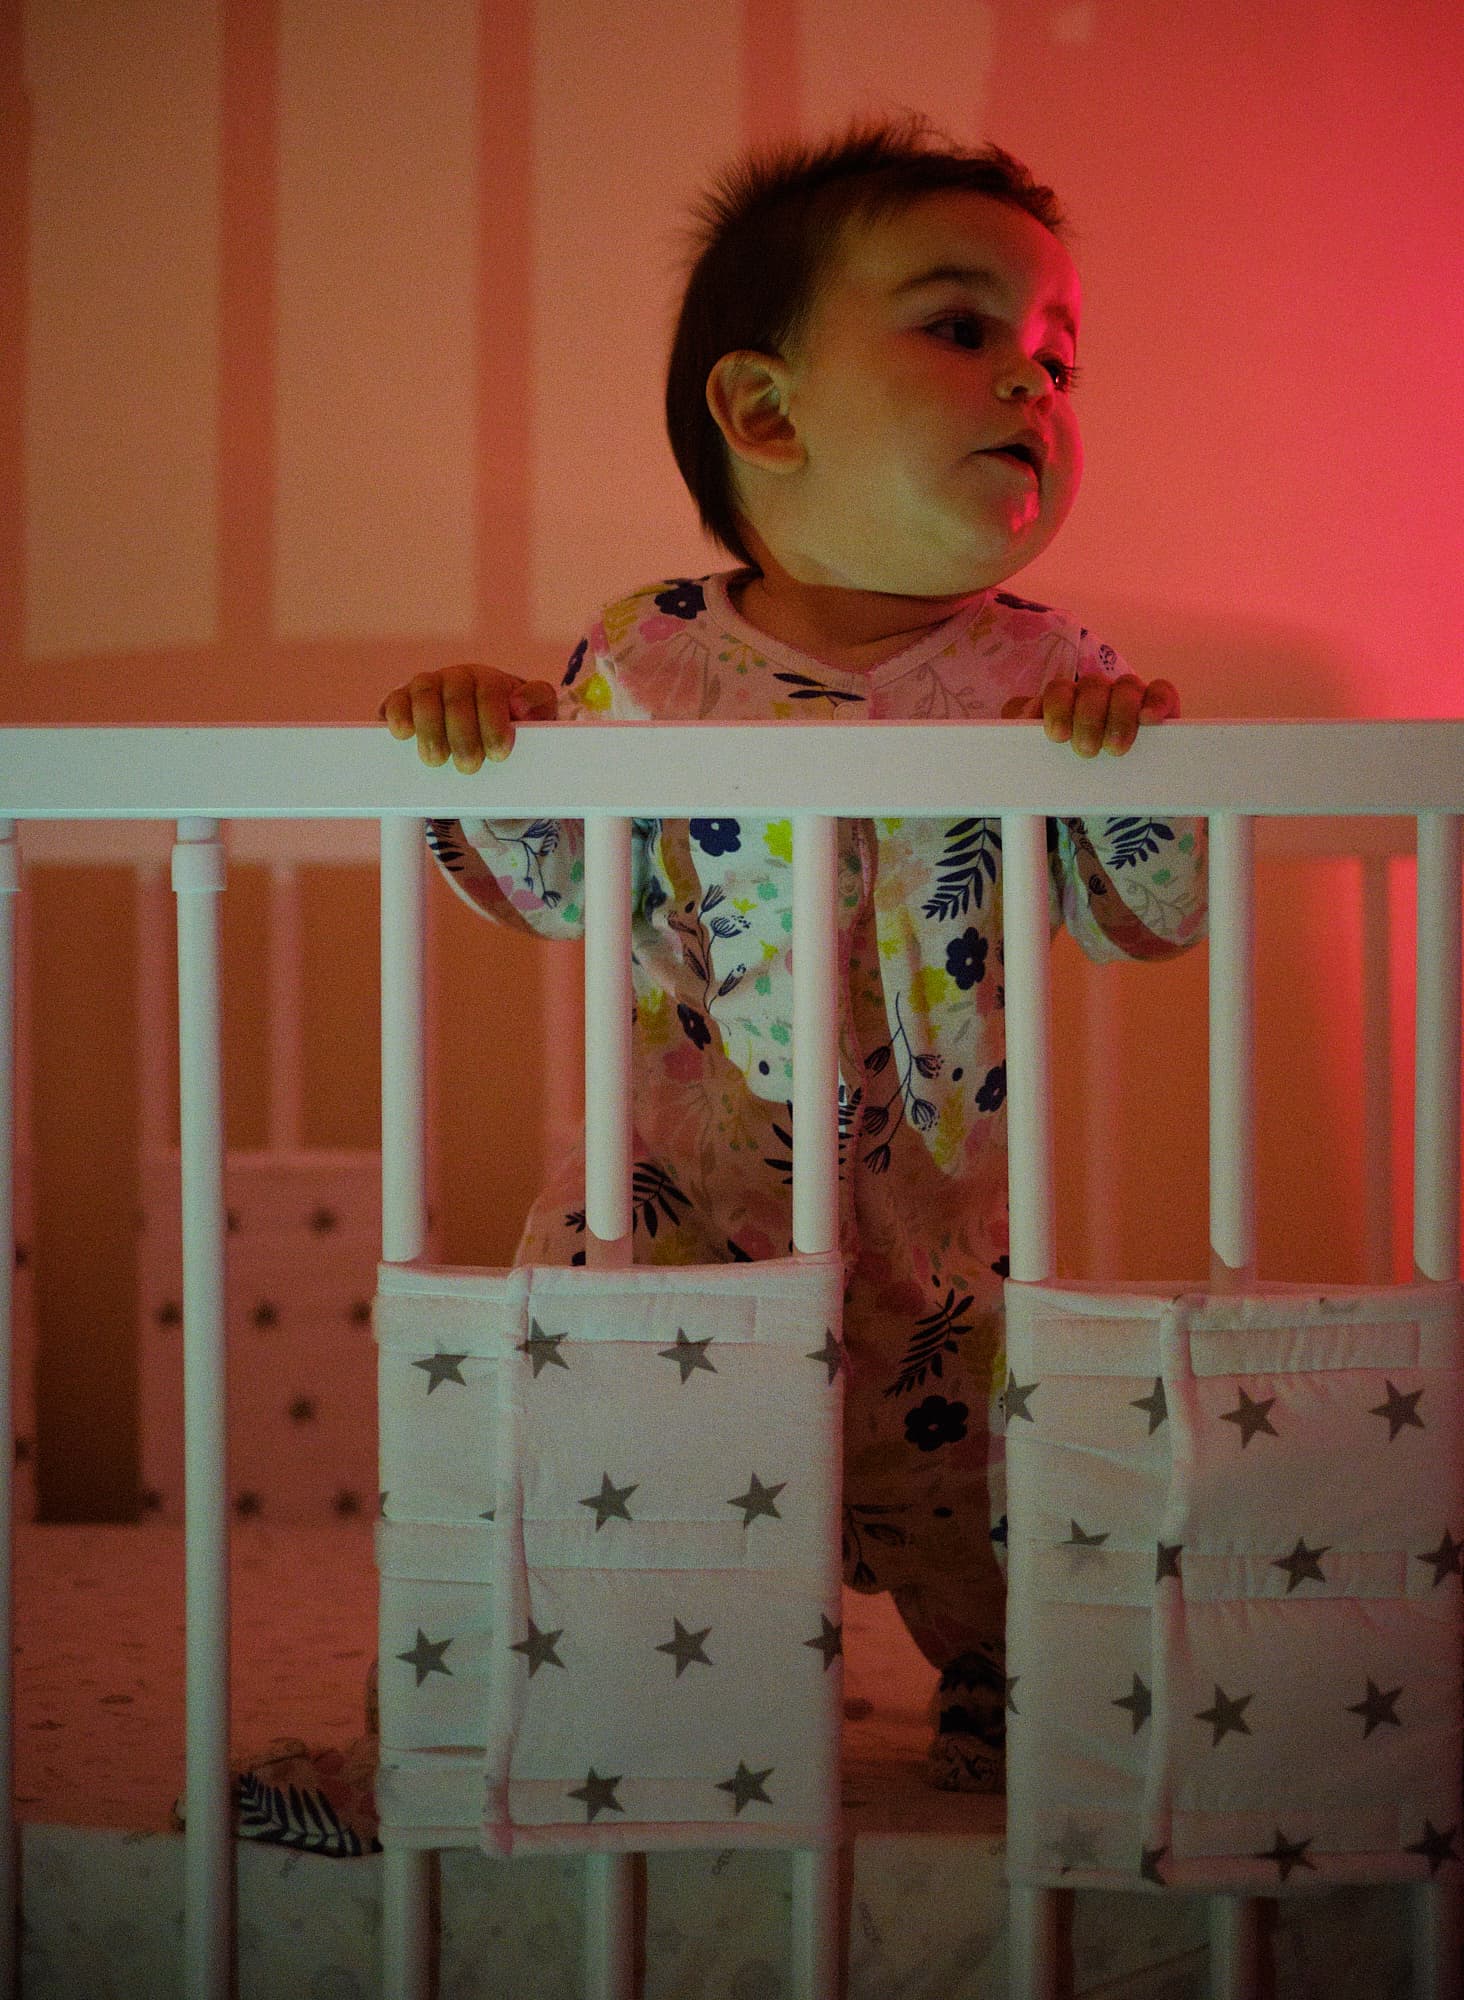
(377, 242)
(122, 322)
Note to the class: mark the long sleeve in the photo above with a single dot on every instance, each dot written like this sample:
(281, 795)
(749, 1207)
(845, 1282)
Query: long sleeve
(530, 872)
(1133, 886)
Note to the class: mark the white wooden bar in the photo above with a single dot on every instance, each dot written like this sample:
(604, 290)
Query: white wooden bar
(677, 770)
(1438, 1932)
(609, 1963)
(208, 1854)
(815, 1870)
(1034, 1970)
(1236, 1944)
(286, 1009)
(1232, 1045)
(406, 1944)
(403, 1059)
(9, 1872)
(608, 1132)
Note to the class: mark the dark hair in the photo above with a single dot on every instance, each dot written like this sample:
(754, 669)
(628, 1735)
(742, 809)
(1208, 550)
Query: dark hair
(763, 242)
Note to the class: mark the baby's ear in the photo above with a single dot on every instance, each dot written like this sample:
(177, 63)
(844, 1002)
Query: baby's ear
(747, 394)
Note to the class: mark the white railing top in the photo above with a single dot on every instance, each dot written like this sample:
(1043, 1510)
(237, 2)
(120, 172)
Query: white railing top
(673, 770)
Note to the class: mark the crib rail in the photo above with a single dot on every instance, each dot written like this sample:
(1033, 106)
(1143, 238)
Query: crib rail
(1231, 772)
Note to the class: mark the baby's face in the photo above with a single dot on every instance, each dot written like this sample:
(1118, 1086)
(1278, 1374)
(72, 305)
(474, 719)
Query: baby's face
(947, 331)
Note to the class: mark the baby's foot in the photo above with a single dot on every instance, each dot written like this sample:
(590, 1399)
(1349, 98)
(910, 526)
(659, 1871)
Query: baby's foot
(968, 1750)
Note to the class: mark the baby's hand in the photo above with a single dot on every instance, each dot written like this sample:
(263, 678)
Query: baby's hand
(1097, 714)
(468, 712)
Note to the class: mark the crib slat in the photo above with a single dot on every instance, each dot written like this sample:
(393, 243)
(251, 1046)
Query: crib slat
(1438, 1931)
(815, 1870)
(608, 1131)
(403, 1059)
(208, 1871)
(1034, 1971)
(9, 893)
(406, 1942)
(1436, 1066)
(1232, 1044)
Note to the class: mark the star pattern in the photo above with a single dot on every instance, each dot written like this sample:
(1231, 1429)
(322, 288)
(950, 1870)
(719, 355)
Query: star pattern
(538, 1648)
(426, 1656)
(1014, 1399)
(1251, 1416)
(686, 1647)
(543, 1349)
(598, 1795)
(1140, 1704)
(1435, 1847)
(609, 1502)
(1295, 1427)
(1288, 1854)
(1154, 1404)
(758, 1499)
(831, 1354)
(1226, 1715)
(440, 1368)
(689, 1354)
(745, 1786)
(1301, 1565)
(1376, 1708)
(1445, 1558)
(830, 1641)
(1400, 1410)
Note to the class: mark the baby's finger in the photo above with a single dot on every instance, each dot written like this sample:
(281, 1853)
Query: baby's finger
(533, 701)
(1057, 710)
(460, 712)
(1021, 708)
(1090, 714)
(1124, 697)
(396, 712)
(495, 719)
(1161, 702)
(425, 696)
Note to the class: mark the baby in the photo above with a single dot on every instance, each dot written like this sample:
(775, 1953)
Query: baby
(870, 397)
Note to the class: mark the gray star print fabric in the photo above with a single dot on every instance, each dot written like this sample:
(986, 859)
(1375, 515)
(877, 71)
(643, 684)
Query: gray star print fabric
(609, 1555)
(1234, 1615)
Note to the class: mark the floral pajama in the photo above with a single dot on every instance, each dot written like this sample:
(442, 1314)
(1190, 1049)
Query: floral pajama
(922, 1048)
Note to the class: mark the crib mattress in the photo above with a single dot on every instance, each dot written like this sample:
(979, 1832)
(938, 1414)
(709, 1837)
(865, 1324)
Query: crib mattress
(99, 1763)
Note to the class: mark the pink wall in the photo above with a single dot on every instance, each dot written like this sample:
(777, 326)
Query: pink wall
(331, 338)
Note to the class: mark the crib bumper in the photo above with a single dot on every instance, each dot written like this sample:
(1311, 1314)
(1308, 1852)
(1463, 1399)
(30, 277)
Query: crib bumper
(610, 1587)
(1234, 1624)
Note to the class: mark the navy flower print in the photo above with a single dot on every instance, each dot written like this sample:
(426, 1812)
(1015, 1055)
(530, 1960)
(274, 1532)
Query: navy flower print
(966, 958)
(936, 1422)
(576, 661)
(682, 600)
(716, 836)
(992, 1094)
(694, 1024)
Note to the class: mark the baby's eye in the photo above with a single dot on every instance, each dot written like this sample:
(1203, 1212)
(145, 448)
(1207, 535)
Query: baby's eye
(1064, 373)
(966, 329)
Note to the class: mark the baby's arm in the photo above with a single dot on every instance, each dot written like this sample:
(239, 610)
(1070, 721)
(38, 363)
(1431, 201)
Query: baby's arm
(521, 872)
(1127, 887)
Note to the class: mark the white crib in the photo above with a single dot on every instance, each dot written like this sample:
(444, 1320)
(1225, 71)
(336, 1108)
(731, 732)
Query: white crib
(1232, 772)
